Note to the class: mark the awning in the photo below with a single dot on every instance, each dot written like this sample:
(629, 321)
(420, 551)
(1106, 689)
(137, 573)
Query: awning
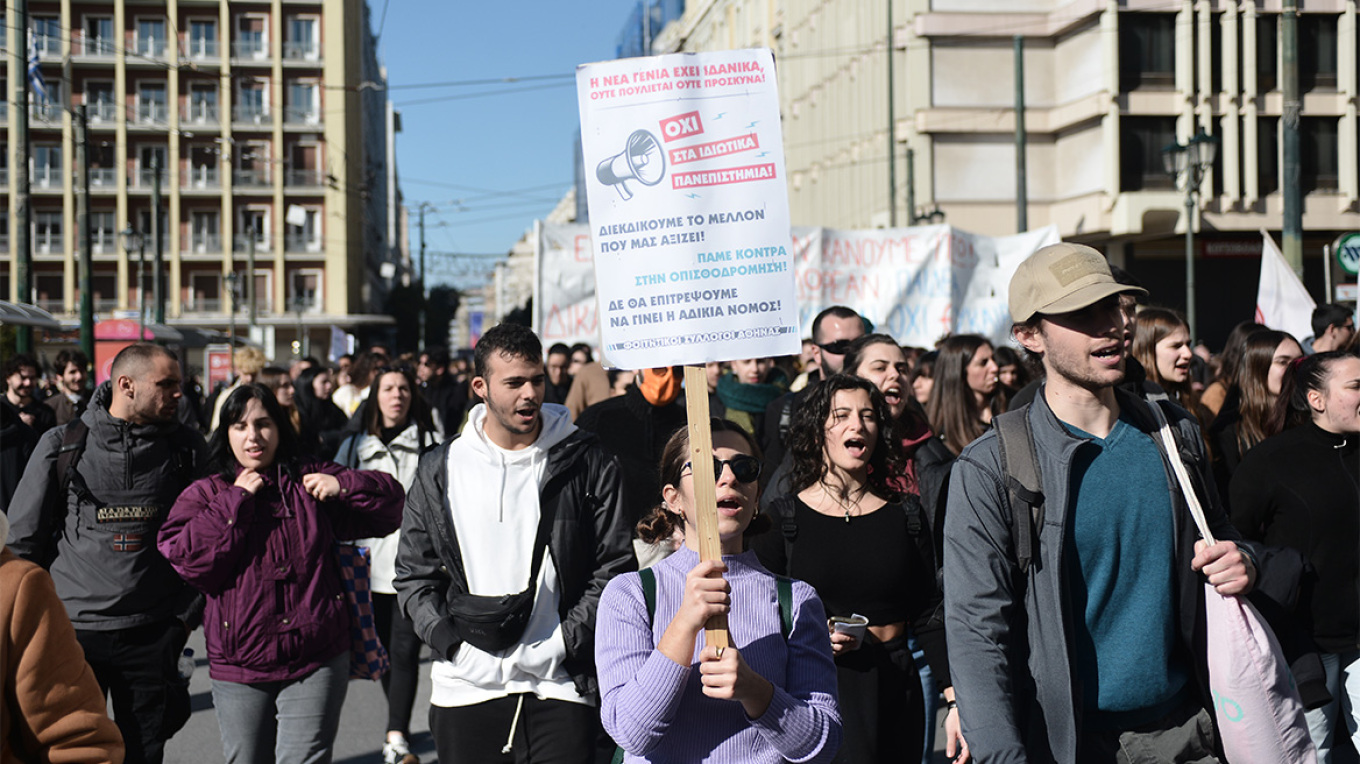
(20, 314)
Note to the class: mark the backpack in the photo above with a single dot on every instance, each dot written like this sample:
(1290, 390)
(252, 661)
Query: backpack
(785, 516)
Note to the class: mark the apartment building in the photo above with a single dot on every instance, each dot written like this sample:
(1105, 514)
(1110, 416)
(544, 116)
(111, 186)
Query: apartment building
(1108, 84)
(268, 126)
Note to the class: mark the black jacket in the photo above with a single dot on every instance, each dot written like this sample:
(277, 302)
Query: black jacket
(17, 441)
(590, 543)
(635, 431)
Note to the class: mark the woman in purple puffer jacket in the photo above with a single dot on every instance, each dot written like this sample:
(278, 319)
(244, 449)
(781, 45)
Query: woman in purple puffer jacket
(258, 538)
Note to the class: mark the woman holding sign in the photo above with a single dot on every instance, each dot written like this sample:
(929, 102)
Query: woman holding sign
(664, 695)
(866, 547)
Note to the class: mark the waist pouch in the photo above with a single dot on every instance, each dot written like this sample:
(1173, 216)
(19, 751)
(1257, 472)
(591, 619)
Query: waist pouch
(494, 622)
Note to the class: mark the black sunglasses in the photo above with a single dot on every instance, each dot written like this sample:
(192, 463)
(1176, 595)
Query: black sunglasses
(745, 468)
(839, 347)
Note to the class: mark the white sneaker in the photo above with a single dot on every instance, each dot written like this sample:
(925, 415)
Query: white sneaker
(398, 752)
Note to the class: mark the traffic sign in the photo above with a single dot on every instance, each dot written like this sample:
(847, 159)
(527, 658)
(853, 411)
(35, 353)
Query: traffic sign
(1348, 253)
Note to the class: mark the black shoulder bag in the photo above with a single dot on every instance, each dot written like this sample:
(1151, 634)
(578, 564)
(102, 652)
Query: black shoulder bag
(493, 623)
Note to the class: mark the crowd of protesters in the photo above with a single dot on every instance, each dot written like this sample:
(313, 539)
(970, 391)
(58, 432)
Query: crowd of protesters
(530, 518)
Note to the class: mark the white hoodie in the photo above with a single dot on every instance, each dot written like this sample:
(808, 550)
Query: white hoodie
(494, 503)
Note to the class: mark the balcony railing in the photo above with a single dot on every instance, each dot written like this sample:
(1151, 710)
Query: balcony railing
(4, 177)
(293, 115)
(200, 177)
(51, 244)
(48, 113)
(102, 47)
(202, 244)
(4, 242)
(205, 305)
(257, 49)
(242, 244)
(47, 45)
(4, 110)
(103, 177)
(301, 51)
(201, 49)
(251, 178)
(297, 242)
(144, 178)
(257, 115)
(150, 46)
(303, 178)
(199, 114)
(152, 113)
(105, 244)
(46, 178)
(101, 111)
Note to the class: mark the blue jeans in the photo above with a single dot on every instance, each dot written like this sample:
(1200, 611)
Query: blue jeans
(292, 722)
(1343, 682)
(931, 695)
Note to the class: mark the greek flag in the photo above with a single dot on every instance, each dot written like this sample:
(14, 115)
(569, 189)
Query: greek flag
(35, 77)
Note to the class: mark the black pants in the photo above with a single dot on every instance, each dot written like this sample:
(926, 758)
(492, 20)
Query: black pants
(881, 704)
(1184, 736)
(398, 634)
(138, 669)
(548, 732)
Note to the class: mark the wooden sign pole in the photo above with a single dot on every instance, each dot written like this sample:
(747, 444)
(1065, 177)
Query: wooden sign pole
(705, 485)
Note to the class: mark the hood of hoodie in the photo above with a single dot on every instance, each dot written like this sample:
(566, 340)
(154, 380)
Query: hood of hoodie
(557, 425)
(406, 440)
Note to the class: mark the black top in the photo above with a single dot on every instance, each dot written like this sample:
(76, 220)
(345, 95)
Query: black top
(1299, 490)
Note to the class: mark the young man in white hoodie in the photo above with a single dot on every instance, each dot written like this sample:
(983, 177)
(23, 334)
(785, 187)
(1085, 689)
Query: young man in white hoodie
(472, 527)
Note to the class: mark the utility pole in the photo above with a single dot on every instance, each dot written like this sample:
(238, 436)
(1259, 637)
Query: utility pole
(1293, 193)
(424, 297)
(250, 272)
(83, 225)
(892, 129)
(23, 214)
(158, 280)
(1021, 172)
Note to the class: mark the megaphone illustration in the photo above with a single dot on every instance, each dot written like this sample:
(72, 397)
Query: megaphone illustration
(642, 160)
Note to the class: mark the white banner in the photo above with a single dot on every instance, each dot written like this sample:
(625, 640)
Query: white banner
(564, 302)
(688, 207)
(915, 284)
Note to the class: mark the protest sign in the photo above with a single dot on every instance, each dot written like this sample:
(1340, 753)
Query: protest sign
(688, 208)
(915, 284)
(564, 299)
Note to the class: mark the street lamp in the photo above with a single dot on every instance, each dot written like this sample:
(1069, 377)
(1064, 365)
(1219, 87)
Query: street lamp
(133, 239)
(1188, 164)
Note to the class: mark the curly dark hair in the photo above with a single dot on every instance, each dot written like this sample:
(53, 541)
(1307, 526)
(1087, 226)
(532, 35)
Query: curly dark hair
(807, 437)
(660, 523)
(221, 460)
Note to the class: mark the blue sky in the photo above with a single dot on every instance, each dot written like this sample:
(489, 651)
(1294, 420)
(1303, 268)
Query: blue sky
(505, 158)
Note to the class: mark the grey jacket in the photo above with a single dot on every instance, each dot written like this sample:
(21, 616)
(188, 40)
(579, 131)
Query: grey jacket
(1009, 639)
(99, 540)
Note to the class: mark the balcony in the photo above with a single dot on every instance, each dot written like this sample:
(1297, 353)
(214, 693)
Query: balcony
(143, 179)
(48, 46)
(302, 51)
(251, 178)
(46, 179)
(152, 114)
(205, 305)
(104, 244)
(251, 115)
(303, 179)
(201, 49)
(199, 114)
(295, 116)
(101, 111)
(256, 49)
(4, 242)
(103, 178)
(4, 110)
(4, 177)
(51, 244)
(46, 113)
(203, 244)
(300, 242)
(150, 47)
(203, 177)
(242, 244)
(93, 47)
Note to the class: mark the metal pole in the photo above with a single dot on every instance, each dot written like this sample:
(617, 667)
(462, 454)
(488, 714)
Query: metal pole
(231, 319)
(911, 186)
(424, 296)
(23, 214)
(141, 285)
(250, 273)
(1190, 183)
(892, 128)
(1292, 246)
(83, 225)
(1021, 172)
(158, 281)
(1327, 272)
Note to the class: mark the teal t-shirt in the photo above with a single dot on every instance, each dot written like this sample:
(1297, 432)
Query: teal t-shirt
(1120, 558)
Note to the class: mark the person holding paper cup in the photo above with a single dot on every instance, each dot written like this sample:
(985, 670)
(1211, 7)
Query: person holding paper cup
(665, 695)
(864, 545)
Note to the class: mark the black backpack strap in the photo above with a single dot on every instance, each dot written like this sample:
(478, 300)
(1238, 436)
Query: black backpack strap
(1024, 483)
(648, 577)
(785, 515)
(68, 455)
(783, 587)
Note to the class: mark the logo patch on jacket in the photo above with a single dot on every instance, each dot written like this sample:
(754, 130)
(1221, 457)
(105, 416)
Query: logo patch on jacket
(127, 542)
(127, 514)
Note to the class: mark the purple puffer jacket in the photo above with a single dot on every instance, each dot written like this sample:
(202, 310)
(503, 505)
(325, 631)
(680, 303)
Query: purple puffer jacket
(276, 609)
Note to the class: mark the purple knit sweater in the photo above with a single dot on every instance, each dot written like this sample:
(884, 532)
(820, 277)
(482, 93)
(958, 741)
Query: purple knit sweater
(656, 710)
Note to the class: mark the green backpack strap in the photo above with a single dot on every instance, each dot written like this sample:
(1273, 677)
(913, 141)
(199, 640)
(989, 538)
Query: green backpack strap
(784, 589)
(648, 577)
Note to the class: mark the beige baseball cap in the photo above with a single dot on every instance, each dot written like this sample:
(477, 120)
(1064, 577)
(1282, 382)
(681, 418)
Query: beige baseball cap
(1061, 278)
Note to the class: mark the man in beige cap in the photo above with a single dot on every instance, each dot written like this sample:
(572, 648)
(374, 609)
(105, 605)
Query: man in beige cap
(1071, 610)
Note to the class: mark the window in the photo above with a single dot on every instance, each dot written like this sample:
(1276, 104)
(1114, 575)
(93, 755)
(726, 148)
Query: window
(251, 37)
(99, 37)
(1140, 158)
(303, 165)
(47, 233)
(304, 290)
(202, 167)
(202, 104)
(46, 166)
(103, 170)
(144, 225)
(252, 101)
(1268, 154)
(1267, 58)
(99, 101)
(151, 161)
(103, 233)
(4, 104)
(307, 236)
(151, 37)
(301, 42)
(4, 246)
(4, 168)
(1147, 50)
(48, 109)
(1216, 53)
(202, 38)
(254, 219)
(204, 235)
(47, 35)
(151, 103)
(1319, 163)
(205, 291)
(1317, 51)
(252, 163)
(303, 106)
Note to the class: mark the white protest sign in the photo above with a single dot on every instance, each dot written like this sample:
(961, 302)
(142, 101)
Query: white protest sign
(564, 302)
(688, 208)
